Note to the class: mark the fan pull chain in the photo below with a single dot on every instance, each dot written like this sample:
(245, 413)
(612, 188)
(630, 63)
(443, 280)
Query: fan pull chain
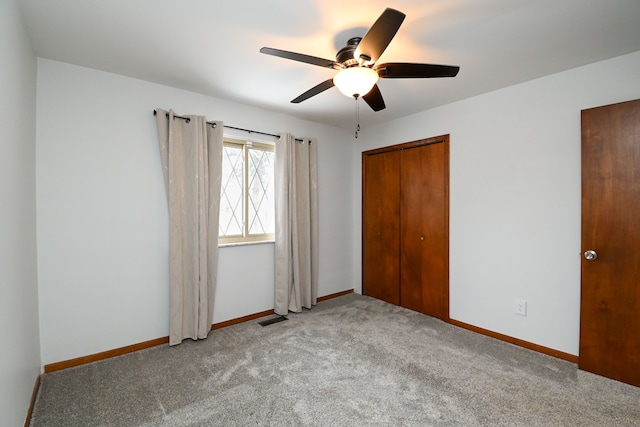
(357, 116)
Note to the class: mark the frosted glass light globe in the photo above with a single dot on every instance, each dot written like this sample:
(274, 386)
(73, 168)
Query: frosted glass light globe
(355, 81)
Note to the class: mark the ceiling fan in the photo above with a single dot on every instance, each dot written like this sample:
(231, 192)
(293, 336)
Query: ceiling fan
(358, 74)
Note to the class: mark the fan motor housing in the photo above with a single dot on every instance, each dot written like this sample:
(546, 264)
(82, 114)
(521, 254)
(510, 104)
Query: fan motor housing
(345, 55)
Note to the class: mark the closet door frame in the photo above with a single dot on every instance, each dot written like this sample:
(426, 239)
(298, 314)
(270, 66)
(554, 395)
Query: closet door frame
(443, 139)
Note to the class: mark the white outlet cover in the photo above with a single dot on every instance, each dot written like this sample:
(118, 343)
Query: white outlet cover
(520, 307)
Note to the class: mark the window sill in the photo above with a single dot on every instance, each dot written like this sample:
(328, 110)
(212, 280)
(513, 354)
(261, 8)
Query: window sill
(257, 242)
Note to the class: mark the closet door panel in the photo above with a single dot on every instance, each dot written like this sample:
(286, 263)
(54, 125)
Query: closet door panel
(381, 231)
(424, 229)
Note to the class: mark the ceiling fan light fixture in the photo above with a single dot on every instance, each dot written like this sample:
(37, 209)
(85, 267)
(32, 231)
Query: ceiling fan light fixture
(356, 73)
(355, 81)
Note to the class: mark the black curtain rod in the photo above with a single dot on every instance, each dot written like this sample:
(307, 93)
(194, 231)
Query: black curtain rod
(230, 127)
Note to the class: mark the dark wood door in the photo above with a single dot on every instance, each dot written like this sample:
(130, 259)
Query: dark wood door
(381, 221)
(610, 297)
(424, 229)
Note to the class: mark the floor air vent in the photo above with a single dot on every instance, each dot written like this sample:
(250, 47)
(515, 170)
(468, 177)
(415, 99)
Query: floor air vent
(272, 321)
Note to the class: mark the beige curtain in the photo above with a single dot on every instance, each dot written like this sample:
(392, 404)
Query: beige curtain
(296, 246)
(191, 152)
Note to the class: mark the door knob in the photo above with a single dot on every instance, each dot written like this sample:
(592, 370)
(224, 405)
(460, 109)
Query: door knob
(590, 255)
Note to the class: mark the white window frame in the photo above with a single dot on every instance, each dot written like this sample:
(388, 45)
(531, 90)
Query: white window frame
(246, 237)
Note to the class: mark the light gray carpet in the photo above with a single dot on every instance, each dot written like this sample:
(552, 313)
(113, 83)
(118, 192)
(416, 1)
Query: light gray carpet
(350, 361)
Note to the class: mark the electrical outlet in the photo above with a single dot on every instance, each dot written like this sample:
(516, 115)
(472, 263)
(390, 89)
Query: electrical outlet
(520, 307)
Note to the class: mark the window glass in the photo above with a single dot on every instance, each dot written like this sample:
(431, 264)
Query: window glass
(247, 192)
(261, 203)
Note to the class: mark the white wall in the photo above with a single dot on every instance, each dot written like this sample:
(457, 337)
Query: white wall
(20, 354)
(515, 196)
(102, 216)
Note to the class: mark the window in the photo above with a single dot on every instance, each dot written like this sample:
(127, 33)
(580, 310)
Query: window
(247, 193)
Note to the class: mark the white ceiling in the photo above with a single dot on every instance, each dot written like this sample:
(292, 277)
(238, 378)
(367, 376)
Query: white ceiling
(212, 46)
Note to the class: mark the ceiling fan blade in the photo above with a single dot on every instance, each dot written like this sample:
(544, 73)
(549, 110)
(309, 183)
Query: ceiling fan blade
(374, 99)
(379, 35)
(327, 84)
(404, 70)
(313, 60)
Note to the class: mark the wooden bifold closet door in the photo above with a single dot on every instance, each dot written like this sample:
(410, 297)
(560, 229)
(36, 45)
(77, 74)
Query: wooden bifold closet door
(405, 225)
(381, 226)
